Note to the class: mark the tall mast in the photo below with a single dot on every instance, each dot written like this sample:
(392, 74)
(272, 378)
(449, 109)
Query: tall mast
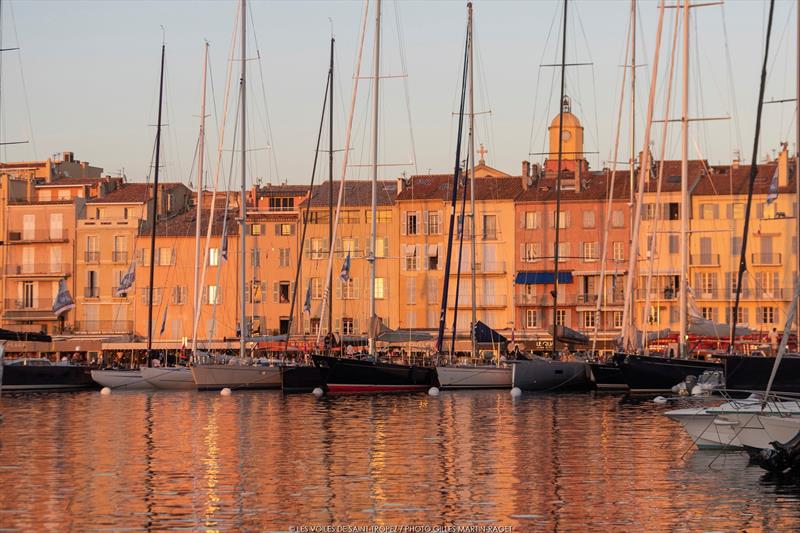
(201, 160)
(633, 102)
(375, 106)
(330, 181)
(243, 200)
(471, 167)
(797, 161)
(558, 176)
(154, 212)
(685, 205)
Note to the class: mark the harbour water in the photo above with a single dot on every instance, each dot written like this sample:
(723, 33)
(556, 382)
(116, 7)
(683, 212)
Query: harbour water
(263, 461)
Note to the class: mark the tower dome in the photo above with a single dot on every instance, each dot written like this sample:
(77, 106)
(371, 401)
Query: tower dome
(571, 136)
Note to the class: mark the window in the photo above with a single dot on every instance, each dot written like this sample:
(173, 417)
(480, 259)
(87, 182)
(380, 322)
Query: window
(533, 220)
(709, 211)
(166, 256)
(125, 213)
(434, 224)
(741, 315)
(587, 319)
(348, 245)
(281, 291)
(649, 211)
(318, 217)
(284, 257)
(349, 217)
(736, 211)
(674, 211)
(767, 284)
(655, 315)
(381, 246)
(213, 292)
(563, 251)
(434, 295)
(281, 204)
(617, 319)
(617, 218)
(255, 257)
(489, 227)
(379, 289)
(64, 195)
(99, 213)
(736, 246)
(561, 317)
(411, 223)
(674, 244)
(618, 250)
(384, 217)
(410, 258)
(348, 290)
(590, 251)
(92, 290)
(256, 291)
(708, 282)
(284, 230)
(213, 257)
(531, 318)
(255, 229)
(768, 315)
(348, 326)
(179, 294)
(316, 288)
(709, 313)
(317, 248)
(531, 251)
(563, 220)
(433, 257)
(411, 291)
(145, 292)
(588, 219)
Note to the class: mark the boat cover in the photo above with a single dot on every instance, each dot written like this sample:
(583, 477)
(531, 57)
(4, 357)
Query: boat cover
(569, 335)
(8, 335)
(485, 334)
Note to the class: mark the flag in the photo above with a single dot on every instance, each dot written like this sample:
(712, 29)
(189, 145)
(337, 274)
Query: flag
(224, 252)
(693, 310)
(63, 301)
(772, 195)
(164, 321)
(613, 284)
(344, 275)
(126, 282)
(307, 304)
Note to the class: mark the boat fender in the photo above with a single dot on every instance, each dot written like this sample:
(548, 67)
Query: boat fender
(105, 391)
(433, 391)
(659, 399)
(225, 392)
(317, 392)
(516, 392)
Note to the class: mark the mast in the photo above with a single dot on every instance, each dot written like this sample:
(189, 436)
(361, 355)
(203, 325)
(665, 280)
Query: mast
(558, 176)
(685, 205)
(633, 102)
(243, 200)
(375, 106)
(330, 181)
(201, 152)
(471, 167)
(154, 212)
(797, 163)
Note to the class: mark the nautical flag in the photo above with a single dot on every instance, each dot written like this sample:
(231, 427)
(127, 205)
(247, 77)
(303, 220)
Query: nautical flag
(224, 252)
(772, 195)
(164, 321)
(693, 310)
(307, 304)
(344, 275)
(63, 301)
(127, 281)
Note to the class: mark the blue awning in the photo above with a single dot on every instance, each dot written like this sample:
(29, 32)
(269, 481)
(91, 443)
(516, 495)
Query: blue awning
(542, 278)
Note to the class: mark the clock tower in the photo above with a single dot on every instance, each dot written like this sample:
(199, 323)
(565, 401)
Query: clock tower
(572, 157)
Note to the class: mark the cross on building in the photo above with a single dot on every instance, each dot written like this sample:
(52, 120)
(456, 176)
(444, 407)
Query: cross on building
(482, 152)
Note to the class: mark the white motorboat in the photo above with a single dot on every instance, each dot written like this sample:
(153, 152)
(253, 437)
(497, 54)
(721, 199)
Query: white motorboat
(169, 378)
(235, 376)
(121, 379)
(474, 377)
(780, 428)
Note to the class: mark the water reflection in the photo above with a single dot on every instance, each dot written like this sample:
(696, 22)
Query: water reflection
(265, 461)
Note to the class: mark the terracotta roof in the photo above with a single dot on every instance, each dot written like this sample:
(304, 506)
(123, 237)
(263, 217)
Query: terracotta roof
(439, 187)
(183, 225)
(594, 187)
(356, 194)
(71, 182)
(283, 190)
(131, 193)
(24, 164)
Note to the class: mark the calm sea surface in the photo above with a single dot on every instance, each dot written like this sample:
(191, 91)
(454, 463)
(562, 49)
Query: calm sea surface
(263, 461)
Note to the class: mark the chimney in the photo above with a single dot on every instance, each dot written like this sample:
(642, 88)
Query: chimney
(736, 157)
(526, 169)
(401, 184)
(783, 166)
(68, 157)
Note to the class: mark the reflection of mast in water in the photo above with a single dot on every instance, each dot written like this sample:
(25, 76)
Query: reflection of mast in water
(211, 462)
(148, 461)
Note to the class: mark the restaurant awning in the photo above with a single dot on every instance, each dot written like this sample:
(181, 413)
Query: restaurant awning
(542, 277)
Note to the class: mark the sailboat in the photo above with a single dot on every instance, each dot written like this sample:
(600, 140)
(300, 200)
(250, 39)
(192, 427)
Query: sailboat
(133, 379)
(240, 373)
(341, 374)
(472, 376)
(553, 373)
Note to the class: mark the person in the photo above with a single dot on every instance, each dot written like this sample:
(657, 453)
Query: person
(773, 341)
(350, 350)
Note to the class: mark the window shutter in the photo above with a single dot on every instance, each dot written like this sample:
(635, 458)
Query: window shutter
(714, 281)
(356, 330)
(522, 216)
(745, 315)
(702, 211)
(337, 324)
(247, 292)
(759, 211)
(403, 222)
(420, 256)
(338, 283)
(728, 313)
(275, 291)
(697, 287)
(715, 209)
(356, 249)
(307, 248)
(292, 229)
(522, 253)
(440, 262)
(566, 219)
(728, 288)
(277, 229)
(385, 242)
(424, 222)
(729, 211)
(357, 288)
(158, 256)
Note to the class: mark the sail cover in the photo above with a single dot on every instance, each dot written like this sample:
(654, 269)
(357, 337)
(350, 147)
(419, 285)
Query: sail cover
(484, 333)
(706, 328)
(400, 336)
(569, 335)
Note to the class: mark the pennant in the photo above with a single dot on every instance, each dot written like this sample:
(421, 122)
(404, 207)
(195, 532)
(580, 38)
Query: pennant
(772, 195)
(126, 282)
(307, 304)
(224, 252)
(63, 301)
(164, 321)
(344, 275)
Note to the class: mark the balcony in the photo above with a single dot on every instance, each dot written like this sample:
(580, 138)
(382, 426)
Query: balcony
(91, 292)
(765, 259)
(53, 270)
(29, 304)
(704, 260)
(91, 257)
(119, 257)
(668, 293)
(587, 299)
(104, 326)
(483, 301)
(30, 236)
(488, 267)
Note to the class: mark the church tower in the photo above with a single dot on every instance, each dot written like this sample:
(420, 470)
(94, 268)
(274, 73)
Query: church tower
(572, 158)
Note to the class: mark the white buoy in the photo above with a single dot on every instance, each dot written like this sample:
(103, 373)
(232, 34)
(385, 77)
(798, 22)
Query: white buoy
(516, 392)
(225, 392)
(433, 391)
(105, 391)
(317, 392)
(660, 399)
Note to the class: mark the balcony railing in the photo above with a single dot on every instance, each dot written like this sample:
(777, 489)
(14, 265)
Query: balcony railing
(483, 267)
(119, 257)
(483, 300)
(129, 292)
(658, 294)
(705, 259)
(91, 257)
(91, 292)
(39, 269)
(29, 304)
(765, 259)
(41, 235)
(104, 326)
(587, 299)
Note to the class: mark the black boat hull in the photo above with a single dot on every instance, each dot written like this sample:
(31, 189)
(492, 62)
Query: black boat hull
(750, 373)
(301, 379)
(659, 374)
(608, 376)
(356, 375)
(46, 378)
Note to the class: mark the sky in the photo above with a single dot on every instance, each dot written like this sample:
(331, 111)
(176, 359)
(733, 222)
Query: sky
(86, 80)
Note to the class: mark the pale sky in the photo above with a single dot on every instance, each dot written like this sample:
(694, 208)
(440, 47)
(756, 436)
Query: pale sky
(91, 73)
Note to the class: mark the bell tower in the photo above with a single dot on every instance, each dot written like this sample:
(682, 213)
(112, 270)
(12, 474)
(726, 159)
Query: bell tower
(572, 157)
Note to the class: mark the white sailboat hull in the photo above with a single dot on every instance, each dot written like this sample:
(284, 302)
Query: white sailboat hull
(215, 377)
(121, 379)
(474, 377)
(780, 428)
(169, 378)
